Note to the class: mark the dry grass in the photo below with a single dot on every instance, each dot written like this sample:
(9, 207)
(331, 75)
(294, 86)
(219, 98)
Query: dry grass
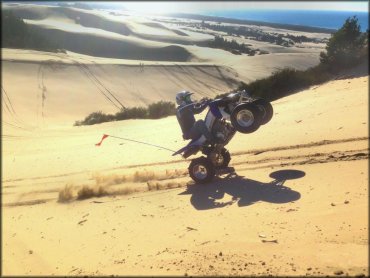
(144, 176)
(66, 194)
(89, 192)
(138, 176)
(124, 191)
(173, 174)
(164, 185)
(108, 180)
(154, 181)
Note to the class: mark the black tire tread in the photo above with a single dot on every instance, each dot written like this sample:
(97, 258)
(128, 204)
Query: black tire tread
(256, 114)
(269, 111)
(227, 157)
(208, 164)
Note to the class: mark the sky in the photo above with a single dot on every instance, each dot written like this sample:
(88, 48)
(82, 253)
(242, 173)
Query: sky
(199, 6)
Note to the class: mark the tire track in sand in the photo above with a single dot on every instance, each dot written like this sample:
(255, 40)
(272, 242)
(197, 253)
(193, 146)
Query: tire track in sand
(144, 180)
(8, 108)
(113, 185)
(340, 155)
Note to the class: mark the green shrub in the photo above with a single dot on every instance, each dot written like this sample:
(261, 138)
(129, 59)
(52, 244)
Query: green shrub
(132, 113)
(346, 47)
(161, 109)
(17, 34)
(286, 81)
(153, 111)
(279, 83)
(95, 118)
(232, 46)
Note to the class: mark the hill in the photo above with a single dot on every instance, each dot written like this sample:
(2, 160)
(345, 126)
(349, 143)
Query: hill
(300, 179)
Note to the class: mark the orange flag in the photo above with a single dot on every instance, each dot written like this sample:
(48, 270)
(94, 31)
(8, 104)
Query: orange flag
(101, 141)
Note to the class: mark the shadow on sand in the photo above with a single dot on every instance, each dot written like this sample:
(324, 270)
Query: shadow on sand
(244, 191)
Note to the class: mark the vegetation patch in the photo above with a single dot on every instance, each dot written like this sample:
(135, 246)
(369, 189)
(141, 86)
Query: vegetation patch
(286, 81)
(256, 34)
(345, 49)
(66, 194)
(156, 110)
(87, 192)
(232, 46)
(17, 34)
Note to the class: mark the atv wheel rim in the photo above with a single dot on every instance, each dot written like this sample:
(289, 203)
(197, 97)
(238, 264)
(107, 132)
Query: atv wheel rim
(217, 159)
(200, 172)
(245, 118)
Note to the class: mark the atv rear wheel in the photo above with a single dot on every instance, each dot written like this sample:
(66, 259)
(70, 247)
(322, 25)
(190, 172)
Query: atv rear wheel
(246, 118)
(265, 108)
(201, 170)
(220, 160)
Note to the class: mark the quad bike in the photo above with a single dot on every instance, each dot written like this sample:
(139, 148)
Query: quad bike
(234, 112)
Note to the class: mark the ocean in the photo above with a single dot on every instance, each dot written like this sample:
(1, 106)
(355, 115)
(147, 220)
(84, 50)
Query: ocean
(324, 19)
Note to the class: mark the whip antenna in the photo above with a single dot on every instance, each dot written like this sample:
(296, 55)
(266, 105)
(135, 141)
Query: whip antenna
(127, 139)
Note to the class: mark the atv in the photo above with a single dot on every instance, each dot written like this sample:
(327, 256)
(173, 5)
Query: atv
(236, 112)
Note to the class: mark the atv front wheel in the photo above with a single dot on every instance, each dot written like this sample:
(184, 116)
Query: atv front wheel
(265, 108)
(246, 118)
(201, 170)
(220, 160)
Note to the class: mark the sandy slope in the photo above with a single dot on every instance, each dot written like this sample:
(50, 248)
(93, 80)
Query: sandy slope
(107, 84)
(300, 180)
(38, 89)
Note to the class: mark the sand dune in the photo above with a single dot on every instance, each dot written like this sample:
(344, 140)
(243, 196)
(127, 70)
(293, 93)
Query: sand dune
(96, 45)
(72, 208)
(101, 34)
(280, 215)
(134, 37)
(43, 98)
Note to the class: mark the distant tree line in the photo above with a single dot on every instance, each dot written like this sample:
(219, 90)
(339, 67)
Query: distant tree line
(256, 34)
(348, 47)
(302, 38)
(301, 28)
(17, 34)
(232, 46)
